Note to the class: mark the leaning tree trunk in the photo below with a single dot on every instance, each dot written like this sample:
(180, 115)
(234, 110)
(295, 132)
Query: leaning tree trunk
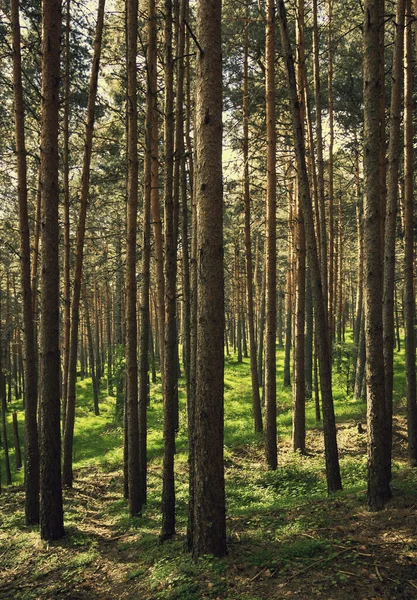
(51, 511)
(30, 375)
(330, 441)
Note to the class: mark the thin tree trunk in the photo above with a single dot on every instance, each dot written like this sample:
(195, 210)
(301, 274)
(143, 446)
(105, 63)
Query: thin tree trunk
(67, 474)
(320, 158)
(30, 374)
(66, 201)
(256, 401)
(409, 299)
(330, 441)
(270, 264)
(394, 151)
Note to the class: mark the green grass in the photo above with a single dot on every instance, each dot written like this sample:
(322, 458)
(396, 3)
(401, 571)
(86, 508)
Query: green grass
(268, 512)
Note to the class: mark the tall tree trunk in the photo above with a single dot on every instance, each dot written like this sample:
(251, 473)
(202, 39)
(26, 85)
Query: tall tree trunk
(155, 203)
(135, 504)
(378, 483)
(299, 388)
(51, 511)
(256, 401)
(170, 268)
(320, 159)
(330, 441)
(30, 374)
(270, 264)
(67, 474)
(66, 200)
(409, 299)
(330, 172)
(209, 527)
(394, 152)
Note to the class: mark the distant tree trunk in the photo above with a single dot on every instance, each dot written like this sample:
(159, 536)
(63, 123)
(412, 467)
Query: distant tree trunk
(30, 374)
(360, 362)
(66, 202)
(288, 300)
(67, 474)
(320, 159)
(3, 406)
(359, 353)
(394, 152)
(309, 338)
(93, 363)
(409, 299)
(299, 388)
(109, 341)
(330, 173)
(270, 264)
(261, 336)
(155, 203)
(330, 441)
(51, 511)
(209, 527)
(378, 482)
(17, 453)
(256, 401)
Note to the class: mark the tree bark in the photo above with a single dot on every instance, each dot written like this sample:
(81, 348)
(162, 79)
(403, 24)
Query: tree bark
(209, 527)
(378, 483)
(30, 374)
(394, 151)
(170, 269)
(330, 441)
(409, 299)
(256, 401)
(270, 265)
(51, 511)
(67, 474)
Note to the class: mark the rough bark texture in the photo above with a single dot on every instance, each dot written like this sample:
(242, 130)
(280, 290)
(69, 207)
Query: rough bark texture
(51, 511)
(30, 374)
(271, 240)
(170, 270)
(131, 294)
(209, 527)
(394, 151)
(378, 486)
(409, 298)
(331, 453)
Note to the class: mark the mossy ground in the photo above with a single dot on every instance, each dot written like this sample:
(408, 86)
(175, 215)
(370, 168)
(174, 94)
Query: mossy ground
(286, 538)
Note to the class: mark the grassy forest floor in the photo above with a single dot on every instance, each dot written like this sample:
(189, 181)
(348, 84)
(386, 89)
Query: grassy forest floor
(286, 538)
